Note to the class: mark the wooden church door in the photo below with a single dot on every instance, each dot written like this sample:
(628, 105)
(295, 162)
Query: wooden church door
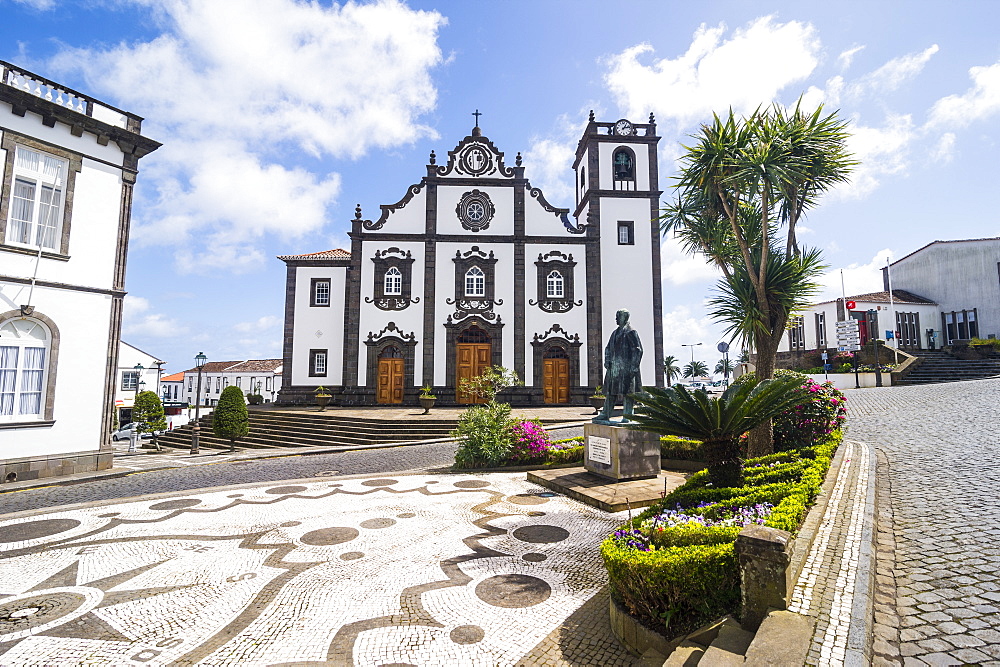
(390, 377)
(555, 376)
(474, 354)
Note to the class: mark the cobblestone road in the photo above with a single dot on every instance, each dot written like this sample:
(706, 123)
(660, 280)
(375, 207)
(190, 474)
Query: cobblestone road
(938, 576)
(393, 459)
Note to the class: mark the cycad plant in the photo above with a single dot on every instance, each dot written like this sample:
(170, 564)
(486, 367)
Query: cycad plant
(717, 422)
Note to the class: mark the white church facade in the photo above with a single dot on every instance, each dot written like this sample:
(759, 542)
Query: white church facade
(473, 267)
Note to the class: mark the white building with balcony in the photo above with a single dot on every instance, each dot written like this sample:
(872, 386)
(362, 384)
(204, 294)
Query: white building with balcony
(69, 164)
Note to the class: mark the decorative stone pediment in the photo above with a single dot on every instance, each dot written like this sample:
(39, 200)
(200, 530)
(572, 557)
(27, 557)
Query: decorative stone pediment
(475, 157)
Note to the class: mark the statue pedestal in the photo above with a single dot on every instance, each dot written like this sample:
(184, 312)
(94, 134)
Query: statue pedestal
(619, 453)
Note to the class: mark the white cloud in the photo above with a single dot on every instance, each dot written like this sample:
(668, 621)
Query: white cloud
(40, 5)
(882, 151)
(679, 268)
(244, 95)
(137, 320)
(219, 255)
(745, 71)
(847, 57)
(944, 149)
(978, 102)
(548, 164)
(894, 73)
(857, 278)
(261, 324)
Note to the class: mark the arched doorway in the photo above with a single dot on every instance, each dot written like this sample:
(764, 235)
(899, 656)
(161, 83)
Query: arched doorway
(390, 376)
(555, 375)
(473, 355)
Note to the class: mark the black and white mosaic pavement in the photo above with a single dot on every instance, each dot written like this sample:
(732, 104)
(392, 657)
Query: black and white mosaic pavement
(413, 569)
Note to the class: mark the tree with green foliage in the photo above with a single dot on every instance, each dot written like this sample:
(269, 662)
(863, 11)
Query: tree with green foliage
(231, 418)
(695, 369)
(718, 422)
(742, 180)
(670, 368)
(725, 366)
(147, 413)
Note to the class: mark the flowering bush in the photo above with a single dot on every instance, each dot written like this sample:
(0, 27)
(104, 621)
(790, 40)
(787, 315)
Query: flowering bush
(822, 411)
(530, 440)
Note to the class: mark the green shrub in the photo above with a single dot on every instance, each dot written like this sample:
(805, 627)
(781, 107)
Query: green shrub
(821, 409)
(674, 447)
(147, 413)
(485, 436)
(565, 455)
(676, 578)
(230, 418)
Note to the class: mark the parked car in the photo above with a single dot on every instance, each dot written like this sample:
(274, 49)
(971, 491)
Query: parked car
(125, 432)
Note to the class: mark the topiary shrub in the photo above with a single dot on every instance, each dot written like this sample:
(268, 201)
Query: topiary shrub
(685, 449)
(674, 567)
(230, 418)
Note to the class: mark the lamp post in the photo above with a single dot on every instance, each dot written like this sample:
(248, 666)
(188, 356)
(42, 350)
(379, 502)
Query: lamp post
(196, 430)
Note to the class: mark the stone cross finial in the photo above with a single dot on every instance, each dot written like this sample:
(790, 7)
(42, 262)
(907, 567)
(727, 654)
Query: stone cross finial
(477, 115)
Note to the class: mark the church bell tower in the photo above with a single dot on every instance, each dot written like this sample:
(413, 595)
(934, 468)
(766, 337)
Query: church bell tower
(618, 199)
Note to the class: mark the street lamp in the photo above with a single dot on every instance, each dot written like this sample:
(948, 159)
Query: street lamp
(196, 431)
(692, 346)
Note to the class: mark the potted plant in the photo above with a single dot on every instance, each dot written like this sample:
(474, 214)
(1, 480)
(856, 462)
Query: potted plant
(426, 398)
(322, 397)
(254, 397)
(597, 399)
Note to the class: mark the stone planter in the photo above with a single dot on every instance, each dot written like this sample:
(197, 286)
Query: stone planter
(322, 400)
(597, 402)
(427, 402)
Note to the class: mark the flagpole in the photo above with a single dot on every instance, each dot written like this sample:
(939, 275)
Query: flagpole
(892, 312)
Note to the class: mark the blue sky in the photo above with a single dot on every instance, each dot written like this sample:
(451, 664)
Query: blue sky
(278, 116)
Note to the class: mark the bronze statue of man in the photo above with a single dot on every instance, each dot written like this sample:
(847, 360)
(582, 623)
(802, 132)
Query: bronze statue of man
(621, 363)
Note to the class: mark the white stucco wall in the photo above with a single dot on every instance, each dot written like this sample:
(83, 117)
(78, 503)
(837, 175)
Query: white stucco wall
(374, 320)
(538, 221)
(318, 327)
(82, 319)
(606, 152)
(445, 272)
(626, 276)
(410, 219)
(538, 321)
(959, 275)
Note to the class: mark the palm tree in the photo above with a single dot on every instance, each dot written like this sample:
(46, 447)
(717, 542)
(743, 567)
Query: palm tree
(695, 369)
(724, 366)
(741, 180)
(717, 422)
(670, 368)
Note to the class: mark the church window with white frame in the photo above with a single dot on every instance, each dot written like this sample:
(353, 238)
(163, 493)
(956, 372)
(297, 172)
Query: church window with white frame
(37, 196)
(393, 283)
(475, 282)
(554, 285)
(24, 348)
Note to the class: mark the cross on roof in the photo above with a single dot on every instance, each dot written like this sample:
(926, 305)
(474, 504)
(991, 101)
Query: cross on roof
(477, 115)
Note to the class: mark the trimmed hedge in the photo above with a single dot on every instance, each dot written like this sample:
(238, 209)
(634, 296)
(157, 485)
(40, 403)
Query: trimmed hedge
(674, 579)
(674, 447)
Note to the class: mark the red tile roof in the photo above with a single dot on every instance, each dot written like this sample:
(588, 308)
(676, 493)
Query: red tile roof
(336, 253)
(898, 296)
(256, 366)
(176, 377)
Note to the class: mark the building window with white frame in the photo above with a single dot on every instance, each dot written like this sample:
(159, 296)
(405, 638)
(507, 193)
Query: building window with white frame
(393, 283)
(820, 331)
(475, 282)
(797, 333)
(626, 232)
(317, 363)
(38, 193)
(24, 347)
(320, 292)
(554, 285)
(130, 380)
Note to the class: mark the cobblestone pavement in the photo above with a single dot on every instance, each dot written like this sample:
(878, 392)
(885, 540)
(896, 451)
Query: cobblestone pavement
(215, 472)
(409, 569)
(937, 598)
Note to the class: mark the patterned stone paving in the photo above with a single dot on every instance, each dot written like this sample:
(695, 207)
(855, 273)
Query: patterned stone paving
(833, 585)
(937, 597)
(411, 569)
